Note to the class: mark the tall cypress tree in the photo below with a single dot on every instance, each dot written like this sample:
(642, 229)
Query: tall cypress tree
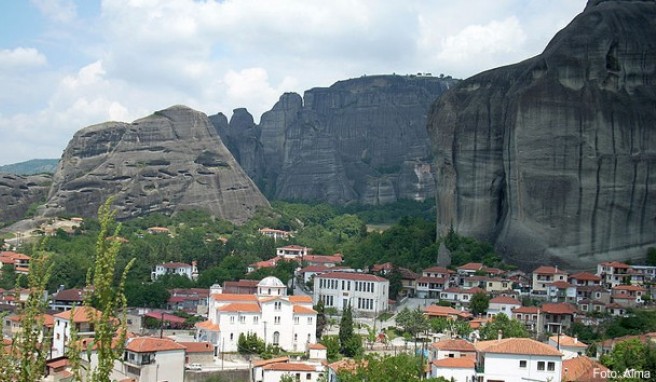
(346, 327)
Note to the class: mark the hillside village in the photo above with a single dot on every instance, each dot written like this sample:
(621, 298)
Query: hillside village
(547, 303)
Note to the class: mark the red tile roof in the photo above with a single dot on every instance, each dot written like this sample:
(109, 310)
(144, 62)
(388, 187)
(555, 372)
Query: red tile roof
(207, 325)
(234, 297)
(471, 267)
(583, 369)
(558, 308)
(527, 310)
(565, 340)
(438, 270)
(198, 347)
(240, 307)
(300, 299)
(634, 288)
(459, 345)
(561, 284)
(437, 310)
(290, 366)
(505, 300)
(270, 361)
(523, 346)
(585, 276)
(455, 363)
(615, 264)
(151, 344)
(80, 314)
(303, 310)
(432, 280)
(548, 270)
(317, 347)
(72, 295)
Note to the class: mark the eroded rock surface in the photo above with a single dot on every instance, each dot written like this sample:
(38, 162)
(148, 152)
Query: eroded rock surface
(554, 159)
(18, 193)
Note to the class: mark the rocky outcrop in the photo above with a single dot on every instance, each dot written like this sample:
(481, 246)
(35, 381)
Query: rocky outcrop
(166, 162)
(554, 159)
(360, 140)
(18, 193)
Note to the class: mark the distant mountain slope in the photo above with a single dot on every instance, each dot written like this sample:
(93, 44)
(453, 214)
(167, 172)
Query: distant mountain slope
(31, 167)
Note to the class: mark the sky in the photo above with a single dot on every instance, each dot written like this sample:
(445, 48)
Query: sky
(67, 64)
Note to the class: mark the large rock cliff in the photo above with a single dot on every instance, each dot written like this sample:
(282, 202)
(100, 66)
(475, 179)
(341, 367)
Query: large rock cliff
(554, 158)
(166, 162)
(18, 193)
(360, 140)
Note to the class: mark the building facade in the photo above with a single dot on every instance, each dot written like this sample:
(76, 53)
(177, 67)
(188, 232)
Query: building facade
(367, 294)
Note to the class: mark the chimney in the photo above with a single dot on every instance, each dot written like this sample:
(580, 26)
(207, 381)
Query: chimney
(499, 335)
(576, 340)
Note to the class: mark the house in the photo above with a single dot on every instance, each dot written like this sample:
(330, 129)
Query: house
(615, 309)
(457, 295)
(570, 346)
(502, 304)
(190, 300)
(584, 279)
(20, 262)
(285, 321)
(490, 284)
(367, 294)
(242, 286)
(545, 275)
(12, 325)
(453, 369)
(327, 260)
(451, 348)
(312, 270)
(81, 317)
(591, 306)
(150, 359)
(430, 287)
(470, 269)
(557, 317)
(271, 263)
(174, 268)
(648, 271)
(275, 234)
(293, 251)
(408, 278)
(439, 272)
(607, 346)
(58, 369)
(530, 316)
(561, 291)
(198, 352)
(343, 365)
(584, 369)
(272, 371)
(628, 296)
(517, 360)
(614, 273)
(593, 292)
(65, 299)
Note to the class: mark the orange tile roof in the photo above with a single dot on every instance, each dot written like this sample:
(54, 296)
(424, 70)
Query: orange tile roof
(207, 325)
(558, 308)
(582, 369)
(57, 363)
(455, 363)
(265, 362)
(523, 346)
(234, 297)
(150, 345)
(471, 267)
(505, 300)
(298, 299)
(438, 270)
(80, 314)
(561, 284)
(290, 366)
(198, 347)
(240, 307)
(568, 341)
(585, 276)
(635, 288)
(548, 270)
(455, 345)
(437, 310)
(615, 264)
(303, 310)
(527, 310)
(317, 347)
(347, 364)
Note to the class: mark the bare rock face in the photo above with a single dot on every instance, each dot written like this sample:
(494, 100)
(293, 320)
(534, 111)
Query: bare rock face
(166, 162)
(554, 159)
(360, 140)
(17, 193)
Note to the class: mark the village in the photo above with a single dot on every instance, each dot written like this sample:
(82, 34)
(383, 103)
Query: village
(286, 317)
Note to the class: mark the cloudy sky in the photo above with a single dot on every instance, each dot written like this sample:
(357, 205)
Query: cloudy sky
(66, 64)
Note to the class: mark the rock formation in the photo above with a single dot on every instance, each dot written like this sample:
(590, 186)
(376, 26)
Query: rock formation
(360, 140)
(17, 193)
(166, 162)
(554, 159)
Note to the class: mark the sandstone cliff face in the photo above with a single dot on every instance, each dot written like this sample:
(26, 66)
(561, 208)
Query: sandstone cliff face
(17, 193)
(169, 161)
(361, 140)
(554, 158)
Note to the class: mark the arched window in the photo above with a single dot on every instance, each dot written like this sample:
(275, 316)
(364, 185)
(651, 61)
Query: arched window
(276, 338)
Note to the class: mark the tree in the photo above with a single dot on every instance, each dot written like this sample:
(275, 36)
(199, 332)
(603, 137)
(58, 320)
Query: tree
(321, 318)
(412, 321)
(374, 367)
(332, 347)
(438, 325)
(250, 344)
(508, 327)
(350, 343)
(631, 354)
(109, 299)
(395, 282)
(479, 303)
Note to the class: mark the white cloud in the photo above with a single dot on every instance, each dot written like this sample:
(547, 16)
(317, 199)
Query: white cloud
(21, 58)
(58, 10)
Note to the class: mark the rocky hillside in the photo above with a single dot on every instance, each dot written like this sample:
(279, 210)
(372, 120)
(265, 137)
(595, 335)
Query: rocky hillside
(360, 140)
(169, 161)
(554, 158)
(18, 193)
(31, 167)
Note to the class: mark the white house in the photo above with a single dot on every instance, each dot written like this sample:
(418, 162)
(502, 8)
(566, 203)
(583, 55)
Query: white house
(517, 360)
(367, 294)
(545, 275)
(293, 251)
(502, 304)
(460, 295)
(173, 268)
(300, 371)
(80, 317)
(150, 359)
(570, 346)
(614, 273)
(275, 234)
(454, 369)
(278, 319)
(451, 348)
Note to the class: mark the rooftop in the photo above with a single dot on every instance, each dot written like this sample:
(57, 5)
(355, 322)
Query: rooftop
(523, 346)
(455, 363)
(455, 345)
(152, 344)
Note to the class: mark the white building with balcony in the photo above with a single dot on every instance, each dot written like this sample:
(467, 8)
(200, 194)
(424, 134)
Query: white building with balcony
(517, 360)
(80, 317)
(148, 359)
(367, 294)
(172, 268)
(285, 321)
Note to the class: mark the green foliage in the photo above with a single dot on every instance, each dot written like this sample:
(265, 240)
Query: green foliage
(250, 344)
(412, 321)
(395, 282)
(147, 295)
(636, 322)
(284, 270)
(438, 325)
(509, 328)
(333, 347)
(479, 303)
(350, 343)
(402, 367)
(631, 354)
(466, 249)
(651, 256)
(322, 321)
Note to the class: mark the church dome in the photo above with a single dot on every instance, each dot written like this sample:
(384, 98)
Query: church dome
(271, 282)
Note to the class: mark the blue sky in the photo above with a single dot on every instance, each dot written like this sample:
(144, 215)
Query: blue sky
(67, 64)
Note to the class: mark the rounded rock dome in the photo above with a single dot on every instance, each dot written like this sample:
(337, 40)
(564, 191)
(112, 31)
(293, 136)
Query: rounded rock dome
(270, 281)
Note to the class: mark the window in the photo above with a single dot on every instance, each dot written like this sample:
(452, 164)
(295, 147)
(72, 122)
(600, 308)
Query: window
(551, 366)
(308, 376)
(541, 365)
(231, 336)
(276, 320)
(295, 337)
(256, 319)
(232, 319)
(276, 338)
(277, 305)
(295, 320)
(522, 364)
(242, 319)
(309, 320)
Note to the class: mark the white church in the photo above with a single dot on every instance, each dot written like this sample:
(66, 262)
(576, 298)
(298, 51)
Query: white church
(286, 321)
